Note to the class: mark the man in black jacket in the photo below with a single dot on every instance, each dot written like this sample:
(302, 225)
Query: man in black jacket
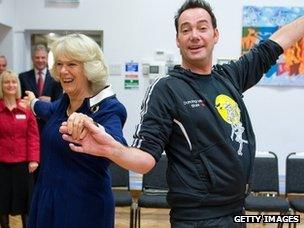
(197, 116)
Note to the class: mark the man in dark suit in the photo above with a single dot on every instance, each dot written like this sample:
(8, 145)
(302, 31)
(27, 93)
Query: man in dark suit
(40, 76)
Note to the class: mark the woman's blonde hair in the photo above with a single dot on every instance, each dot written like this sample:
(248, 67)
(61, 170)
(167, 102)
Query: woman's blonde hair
(13, 75)
(83, 49)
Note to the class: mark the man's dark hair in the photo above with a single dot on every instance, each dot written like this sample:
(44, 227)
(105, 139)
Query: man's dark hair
(190, 4)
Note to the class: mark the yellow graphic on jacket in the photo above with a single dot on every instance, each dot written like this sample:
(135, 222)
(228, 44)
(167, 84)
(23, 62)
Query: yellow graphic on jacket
(231, 113)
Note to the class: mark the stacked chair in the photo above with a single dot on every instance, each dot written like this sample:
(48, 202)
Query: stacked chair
(120, 189)
(295, 182)
(155, 188)
(265, 186)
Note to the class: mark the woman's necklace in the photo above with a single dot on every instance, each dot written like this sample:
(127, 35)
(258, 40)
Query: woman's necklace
(68, 111)
(10, 105)
(73, 106)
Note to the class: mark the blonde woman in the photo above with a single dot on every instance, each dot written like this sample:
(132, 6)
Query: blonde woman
(74, 190)
(19, 150)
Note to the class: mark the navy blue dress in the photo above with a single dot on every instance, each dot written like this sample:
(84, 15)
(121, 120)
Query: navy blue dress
(74, 189)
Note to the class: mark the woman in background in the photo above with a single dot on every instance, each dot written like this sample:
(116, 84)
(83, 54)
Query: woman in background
(19, 150)
(74, 190)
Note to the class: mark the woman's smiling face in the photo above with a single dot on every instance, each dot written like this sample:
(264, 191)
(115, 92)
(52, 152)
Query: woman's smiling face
(72, 77)
(9, 85)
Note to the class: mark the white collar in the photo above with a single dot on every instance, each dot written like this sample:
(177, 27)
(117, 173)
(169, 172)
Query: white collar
(103, 94)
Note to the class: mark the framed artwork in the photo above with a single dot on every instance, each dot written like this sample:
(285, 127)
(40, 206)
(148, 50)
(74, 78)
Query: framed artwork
(258, 24)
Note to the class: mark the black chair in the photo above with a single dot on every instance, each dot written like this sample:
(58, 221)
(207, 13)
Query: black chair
(295, 182)
(265, 186)
(155, 188)
(120, 188)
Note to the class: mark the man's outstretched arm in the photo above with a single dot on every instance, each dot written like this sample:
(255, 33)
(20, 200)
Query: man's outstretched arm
(96, 141)
(290, 33)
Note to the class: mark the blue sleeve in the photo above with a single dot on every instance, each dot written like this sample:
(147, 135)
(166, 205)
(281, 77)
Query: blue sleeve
(112, 117)
(249, 69)
(57, 91)
(44, 110)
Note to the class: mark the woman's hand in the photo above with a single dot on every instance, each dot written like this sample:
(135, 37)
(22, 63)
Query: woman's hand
(96, 140)
(75, 125)
(27, 99)
(32, 166)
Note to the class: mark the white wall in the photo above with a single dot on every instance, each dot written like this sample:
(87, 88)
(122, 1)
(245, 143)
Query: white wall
(7, 12)
(7, 21)
(6, 44)
(134, 29)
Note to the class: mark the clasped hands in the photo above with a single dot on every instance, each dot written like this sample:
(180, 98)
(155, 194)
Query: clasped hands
(85, 136)
(75, 125)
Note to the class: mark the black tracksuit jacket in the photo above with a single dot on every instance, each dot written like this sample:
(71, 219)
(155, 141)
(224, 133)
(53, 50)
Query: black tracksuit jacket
(204, 174)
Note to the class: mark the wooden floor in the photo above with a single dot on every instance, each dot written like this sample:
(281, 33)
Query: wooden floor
(151, 218)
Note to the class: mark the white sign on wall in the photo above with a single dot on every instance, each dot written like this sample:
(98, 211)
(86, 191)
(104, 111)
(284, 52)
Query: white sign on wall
(62, 1)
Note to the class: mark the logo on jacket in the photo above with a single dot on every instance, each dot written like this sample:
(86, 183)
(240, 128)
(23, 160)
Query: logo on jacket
(230, 112)
(194, 103)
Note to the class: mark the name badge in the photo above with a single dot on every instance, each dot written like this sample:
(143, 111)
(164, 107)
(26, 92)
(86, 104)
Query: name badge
(20, 116)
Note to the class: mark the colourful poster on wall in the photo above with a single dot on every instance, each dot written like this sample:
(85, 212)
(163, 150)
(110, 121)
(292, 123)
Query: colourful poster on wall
(258, 24)
(131, 76)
